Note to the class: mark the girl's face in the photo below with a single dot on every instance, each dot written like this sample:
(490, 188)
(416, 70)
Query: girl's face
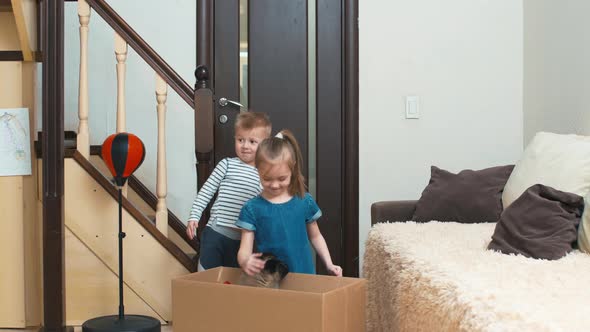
(275, 179)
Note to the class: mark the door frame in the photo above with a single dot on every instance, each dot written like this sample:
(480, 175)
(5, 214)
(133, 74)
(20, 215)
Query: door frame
(349, 113)
(351, 138)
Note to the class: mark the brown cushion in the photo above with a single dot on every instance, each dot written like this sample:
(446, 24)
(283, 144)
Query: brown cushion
(541, 223)
(467, 197)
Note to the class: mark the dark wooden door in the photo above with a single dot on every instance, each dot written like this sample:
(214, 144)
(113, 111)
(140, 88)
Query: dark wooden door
(276, 74)
(272, 71)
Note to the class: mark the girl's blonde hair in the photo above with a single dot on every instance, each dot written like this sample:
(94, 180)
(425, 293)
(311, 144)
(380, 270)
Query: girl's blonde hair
(275, 149)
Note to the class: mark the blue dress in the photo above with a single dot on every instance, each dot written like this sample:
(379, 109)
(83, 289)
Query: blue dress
(281, 229)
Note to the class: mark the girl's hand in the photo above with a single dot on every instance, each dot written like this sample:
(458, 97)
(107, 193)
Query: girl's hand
(335, 270)
(254, 264)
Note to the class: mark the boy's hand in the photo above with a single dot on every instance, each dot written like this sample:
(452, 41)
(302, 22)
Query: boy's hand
(335, 270)
(254, 264)
(191, 229)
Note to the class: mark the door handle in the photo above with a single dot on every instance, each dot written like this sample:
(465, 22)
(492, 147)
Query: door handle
(224, 101)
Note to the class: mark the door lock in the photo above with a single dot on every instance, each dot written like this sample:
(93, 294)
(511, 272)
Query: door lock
(222, 118)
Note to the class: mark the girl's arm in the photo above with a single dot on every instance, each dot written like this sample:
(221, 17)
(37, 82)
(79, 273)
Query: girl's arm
(248, 261)
(319, 244)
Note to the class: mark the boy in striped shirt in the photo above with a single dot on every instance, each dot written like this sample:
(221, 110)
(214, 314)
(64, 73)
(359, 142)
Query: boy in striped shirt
(236, 181)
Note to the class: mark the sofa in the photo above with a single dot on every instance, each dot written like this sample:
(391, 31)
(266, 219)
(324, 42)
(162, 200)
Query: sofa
(444, 275)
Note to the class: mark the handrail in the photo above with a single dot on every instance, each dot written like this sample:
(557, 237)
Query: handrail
(144, 50)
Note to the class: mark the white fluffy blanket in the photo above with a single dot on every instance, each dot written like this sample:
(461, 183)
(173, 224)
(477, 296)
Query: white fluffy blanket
(440, 277)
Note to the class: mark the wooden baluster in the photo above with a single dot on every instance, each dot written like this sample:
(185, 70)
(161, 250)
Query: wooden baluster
(161, 180)
(83, 138)
(121, 53)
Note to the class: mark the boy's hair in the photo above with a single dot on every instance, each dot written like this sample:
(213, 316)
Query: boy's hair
(251, 120)
(286, 149)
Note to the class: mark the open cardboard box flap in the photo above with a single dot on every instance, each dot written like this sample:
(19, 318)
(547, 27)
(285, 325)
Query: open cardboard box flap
(201, 301)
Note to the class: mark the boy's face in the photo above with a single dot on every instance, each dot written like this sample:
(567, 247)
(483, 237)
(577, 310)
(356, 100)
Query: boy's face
(246, 143)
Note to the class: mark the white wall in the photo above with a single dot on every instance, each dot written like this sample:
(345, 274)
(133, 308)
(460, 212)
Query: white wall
(556, 67)
(170, 29)
(464, 58)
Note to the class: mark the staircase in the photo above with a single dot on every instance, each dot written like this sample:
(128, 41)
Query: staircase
(152, 260)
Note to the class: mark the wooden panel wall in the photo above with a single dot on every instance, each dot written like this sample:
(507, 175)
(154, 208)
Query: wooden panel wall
(20, 278)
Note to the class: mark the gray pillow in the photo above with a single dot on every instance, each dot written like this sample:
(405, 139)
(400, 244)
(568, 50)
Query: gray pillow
(541, 223)
(467, 197)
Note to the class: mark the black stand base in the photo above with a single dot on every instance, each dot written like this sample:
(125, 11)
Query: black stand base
(130, 323)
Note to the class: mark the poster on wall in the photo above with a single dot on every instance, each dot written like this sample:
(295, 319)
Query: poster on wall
(15, 146)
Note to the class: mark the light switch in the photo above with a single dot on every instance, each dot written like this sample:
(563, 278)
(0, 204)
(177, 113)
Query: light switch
(412, 109)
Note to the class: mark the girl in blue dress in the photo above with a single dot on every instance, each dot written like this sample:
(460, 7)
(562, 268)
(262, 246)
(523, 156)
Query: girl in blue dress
(282, 220)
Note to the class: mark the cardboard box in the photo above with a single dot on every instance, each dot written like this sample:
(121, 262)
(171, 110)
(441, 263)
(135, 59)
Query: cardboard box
(305, 303)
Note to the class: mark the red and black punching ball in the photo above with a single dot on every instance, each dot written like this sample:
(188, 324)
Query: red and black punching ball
(123, 153)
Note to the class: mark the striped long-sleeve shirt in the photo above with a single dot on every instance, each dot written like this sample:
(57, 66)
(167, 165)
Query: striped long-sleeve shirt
(236, 182)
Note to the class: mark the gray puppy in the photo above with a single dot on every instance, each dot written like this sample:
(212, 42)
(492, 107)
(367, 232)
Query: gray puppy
(270, 276)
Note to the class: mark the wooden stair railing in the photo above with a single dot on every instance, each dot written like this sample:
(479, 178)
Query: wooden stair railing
(164, 76)
(144, 50)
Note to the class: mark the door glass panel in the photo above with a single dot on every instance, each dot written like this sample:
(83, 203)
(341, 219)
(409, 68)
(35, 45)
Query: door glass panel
(311, 106)
(244, 53)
